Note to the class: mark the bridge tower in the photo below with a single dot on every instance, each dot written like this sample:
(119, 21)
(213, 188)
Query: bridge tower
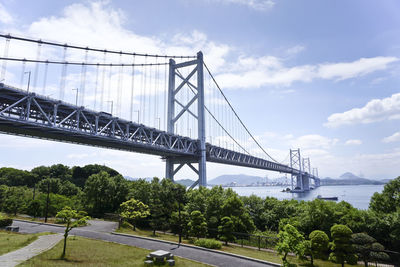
(172, 118)
(295, 162)
(307, 174)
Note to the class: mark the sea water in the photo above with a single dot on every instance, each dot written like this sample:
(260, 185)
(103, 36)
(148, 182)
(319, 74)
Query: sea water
(357, 195)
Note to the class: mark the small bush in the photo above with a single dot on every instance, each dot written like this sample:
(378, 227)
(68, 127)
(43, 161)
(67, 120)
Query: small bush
(208, 243)
(5, 222)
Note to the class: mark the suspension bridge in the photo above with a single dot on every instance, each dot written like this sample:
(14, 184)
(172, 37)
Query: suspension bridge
(165, 105)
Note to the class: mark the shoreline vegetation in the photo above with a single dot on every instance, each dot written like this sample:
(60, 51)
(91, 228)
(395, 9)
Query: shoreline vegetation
(214, 213)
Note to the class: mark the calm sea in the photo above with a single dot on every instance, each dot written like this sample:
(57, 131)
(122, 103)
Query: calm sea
(357, 195)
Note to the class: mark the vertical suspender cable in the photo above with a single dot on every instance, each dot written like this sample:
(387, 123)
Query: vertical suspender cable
(119, 86)
(63, 73)
(37, 64)
(103, 82)
(109, 89)
(132, 88)
(83, 79)
(46, 68)
(4, 65)
(95, 87)
(156, 118)
(22, 73)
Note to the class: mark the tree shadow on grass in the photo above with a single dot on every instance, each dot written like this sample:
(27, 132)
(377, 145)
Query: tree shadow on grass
(66, 260)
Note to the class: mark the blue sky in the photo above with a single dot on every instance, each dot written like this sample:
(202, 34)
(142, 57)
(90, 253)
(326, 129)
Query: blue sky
(318, 75)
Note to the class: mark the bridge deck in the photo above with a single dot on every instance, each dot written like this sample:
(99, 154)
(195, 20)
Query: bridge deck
(33, 115)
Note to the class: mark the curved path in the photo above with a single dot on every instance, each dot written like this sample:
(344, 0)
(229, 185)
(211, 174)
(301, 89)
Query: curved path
(43, 243)
(98, 231)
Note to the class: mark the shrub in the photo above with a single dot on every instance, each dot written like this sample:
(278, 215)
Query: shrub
(208, 243)
(5, 222)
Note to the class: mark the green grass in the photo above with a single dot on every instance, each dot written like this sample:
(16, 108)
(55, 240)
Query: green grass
(10, 241)
(89, 252)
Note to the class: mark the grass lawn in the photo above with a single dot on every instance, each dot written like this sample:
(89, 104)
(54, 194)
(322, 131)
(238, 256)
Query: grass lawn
(89, 252)
(10, 241)
(248, 252)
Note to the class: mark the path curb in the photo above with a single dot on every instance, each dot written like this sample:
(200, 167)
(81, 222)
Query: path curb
(41, 223)
(200, 248)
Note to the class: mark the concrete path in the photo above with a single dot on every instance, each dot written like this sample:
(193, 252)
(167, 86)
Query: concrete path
(100, 226)
(197, 254)
(38, 246)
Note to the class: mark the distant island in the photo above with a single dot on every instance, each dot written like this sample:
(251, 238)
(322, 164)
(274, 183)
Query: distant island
(243, 180)
(347, 178)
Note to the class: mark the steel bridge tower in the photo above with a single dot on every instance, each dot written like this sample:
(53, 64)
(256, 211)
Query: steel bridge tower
(172, 118)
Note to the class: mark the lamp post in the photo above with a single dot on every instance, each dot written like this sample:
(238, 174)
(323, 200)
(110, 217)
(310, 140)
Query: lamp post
(29, 79)
(112, 105)
(76, 97)
(159, 122)
(138, 116)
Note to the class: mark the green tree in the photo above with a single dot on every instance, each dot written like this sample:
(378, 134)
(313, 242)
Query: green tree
(226, 229)
(378, 254)
(51, 184)
(132, 210)
(362, 244)
(100, 194)
(389, 200)
(34, 208)
(15, 200)
(341, 247)
(290, 240)
(72, 219)
(197, 224)
(319, 245)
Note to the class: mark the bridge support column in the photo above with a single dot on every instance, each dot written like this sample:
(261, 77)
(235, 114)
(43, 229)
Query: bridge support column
(172, 119)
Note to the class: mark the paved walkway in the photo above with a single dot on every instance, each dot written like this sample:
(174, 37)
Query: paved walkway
(38, 246)
(208, 257)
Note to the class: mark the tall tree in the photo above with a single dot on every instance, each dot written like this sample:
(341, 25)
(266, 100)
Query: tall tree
(197, 224)
(319, 245)
(290, 240)
(341, 247)
(72, 219)
(132, 210)
(226, 229)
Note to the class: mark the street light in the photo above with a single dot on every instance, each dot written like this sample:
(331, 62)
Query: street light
(76, 98)
(112, 104)
(138, 115)
(159, 122)
(29, 79)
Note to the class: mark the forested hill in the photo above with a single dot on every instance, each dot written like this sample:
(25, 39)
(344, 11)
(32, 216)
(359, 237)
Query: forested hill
(350, 179)
(236, 178)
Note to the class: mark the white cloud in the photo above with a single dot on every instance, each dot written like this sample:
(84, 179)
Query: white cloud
(295, 49)
(314, 141)
(260, 5)
(393, 138)
(252, 72)
(353, 142)
(375, 110)
(363, 66)
(5, 16)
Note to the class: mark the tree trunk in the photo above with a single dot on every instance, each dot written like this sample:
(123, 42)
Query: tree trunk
(312, 260)
(342, 263)
(366, 263)
(65, 246)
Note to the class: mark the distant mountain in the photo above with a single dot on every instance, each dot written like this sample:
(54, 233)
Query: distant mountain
(185, 182)
(148, 179)
(349, 178)
(239, 179)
